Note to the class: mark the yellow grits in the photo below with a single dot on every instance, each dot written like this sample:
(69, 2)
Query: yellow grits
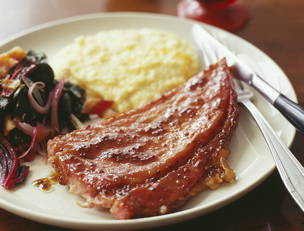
(130, 67)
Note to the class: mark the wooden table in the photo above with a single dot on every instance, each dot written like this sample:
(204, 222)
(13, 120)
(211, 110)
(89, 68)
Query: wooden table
(275, 26)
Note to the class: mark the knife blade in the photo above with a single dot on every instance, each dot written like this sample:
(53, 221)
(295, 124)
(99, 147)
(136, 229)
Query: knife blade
(293, 112)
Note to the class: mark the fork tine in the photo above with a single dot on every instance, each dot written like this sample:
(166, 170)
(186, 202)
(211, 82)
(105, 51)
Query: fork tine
(243, 94)
(244, 86)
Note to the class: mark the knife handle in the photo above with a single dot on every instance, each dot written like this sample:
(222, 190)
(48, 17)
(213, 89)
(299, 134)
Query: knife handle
(293, 112)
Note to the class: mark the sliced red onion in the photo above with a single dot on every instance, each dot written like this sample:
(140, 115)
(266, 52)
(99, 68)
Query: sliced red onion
(42, 131)
(55, 103)
(29, 83)
(25, 128)
(33, 142)
(21, 174)
(34, 90)
(20, 70)
(9, 162)
(12, 172)
(37, 133)
(18, 74)
(4, 157)
(16, 71)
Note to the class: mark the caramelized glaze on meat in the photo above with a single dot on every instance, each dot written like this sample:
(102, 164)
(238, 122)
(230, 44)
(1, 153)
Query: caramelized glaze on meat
(150, 160)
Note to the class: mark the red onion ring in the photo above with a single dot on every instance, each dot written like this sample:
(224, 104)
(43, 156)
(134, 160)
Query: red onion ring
(23, 172)
(40, 109)
(29, 83)
(18, 75)
(54, 107)
(10, 166)
(25, 128)
(42, 131)
(34, 139)
(28, 70)
(3, 166)
(12, 171)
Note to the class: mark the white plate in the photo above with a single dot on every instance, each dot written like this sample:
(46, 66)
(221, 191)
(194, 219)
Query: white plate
(250, 157)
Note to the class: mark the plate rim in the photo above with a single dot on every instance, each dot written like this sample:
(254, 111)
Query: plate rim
(146, 221)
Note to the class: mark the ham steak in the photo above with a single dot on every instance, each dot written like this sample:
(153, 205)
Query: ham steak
(150, 160)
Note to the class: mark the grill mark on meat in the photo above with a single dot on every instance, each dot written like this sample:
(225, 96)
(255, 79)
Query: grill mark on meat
(150, 160)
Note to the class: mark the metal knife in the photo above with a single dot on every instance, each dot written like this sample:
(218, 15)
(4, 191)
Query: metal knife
(293, 112)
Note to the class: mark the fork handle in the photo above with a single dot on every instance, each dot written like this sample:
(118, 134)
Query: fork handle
(290, 169)
(292, 111)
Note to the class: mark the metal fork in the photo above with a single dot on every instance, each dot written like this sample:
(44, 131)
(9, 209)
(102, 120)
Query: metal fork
(290, 169)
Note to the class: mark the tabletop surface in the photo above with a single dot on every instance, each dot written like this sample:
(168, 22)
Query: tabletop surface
(275, 26)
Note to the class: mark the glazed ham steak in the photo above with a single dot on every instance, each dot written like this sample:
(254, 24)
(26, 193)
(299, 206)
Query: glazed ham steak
(151, 160)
